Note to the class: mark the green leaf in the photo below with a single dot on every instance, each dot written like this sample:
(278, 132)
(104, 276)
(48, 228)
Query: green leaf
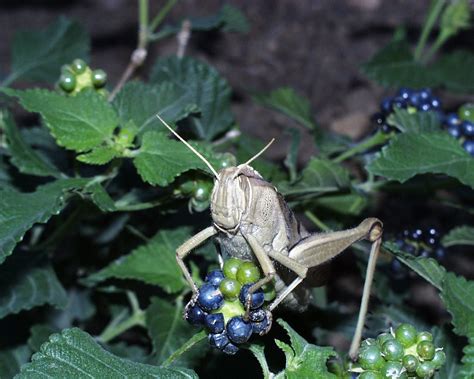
(161, 159)
(153, 263)
(458, 297)
(455, 18)
(26, 283)
(394, 66)
(20, 211)
(288, 102)
(39, 55)
(79, 307)
(12, 359)
(169, 331)
(304, 360)
(100, 197)
(208, 90)
(75, 354)
(319, 176)
(23, 156)
(383, 317)
(258, 351)
(415, 122)
(467, 369)
(141, 103)
(428, 268)
(79, 122)
(455, 72)
(410, 154)
(39, 334)
(99, 155)
(461, 235)
(291, 160)
(351, 203)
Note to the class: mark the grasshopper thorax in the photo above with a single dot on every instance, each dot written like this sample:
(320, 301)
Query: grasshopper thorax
(231, 195)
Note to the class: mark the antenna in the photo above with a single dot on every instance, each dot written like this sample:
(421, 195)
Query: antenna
(200, 156)
(260, 152)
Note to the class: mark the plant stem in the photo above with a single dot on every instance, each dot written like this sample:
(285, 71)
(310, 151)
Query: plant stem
(434, 12)
(119, 325)
(185, 347)
(440, 40)
(158, 19)
(316, 221)
(377, 139)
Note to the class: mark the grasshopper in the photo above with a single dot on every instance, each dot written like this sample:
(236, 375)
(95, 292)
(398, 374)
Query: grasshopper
(252, 221)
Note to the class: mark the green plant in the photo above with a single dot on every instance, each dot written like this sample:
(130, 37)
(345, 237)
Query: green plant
(96, 197)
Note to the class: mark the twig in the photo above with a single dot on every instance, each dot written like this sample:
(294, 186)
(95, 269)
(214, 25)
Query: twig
(183, 38)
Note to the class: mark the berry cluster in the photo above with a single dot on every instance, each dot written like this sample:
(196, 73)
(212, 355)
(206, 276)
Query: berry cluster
(461, 126)
(419, 242)
(406, 98)
(405, 353)
(77, 76)
(199, 190)
(221, 304)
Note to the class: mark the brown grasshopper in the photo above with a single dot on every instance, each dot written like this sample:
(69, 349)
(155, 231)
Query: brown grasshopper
(252, 221)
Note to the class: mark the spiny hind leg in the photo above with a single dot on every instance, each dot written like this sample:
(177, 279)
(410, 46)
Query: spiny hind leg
(320, 248)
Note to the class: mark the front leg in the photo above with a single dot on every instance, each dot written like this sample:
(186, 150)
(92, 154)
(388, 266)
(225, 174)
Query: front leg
(187, 247)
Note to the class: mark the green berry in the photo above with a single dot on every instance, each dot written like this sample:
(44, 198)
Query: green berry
(269, 291)
(66, 69)
(78, 66)
(227, 160)
(466, 112)
(67, 82)
(410, 362)
(230, 268)
(248, 272)
(424, 336)
(425, 370)
(368, 342)
(406, 334)
(230, 288)
(393, 370)
(99, 77)
(393, 350)
(370, 358)
(384, 337)
(439, 359)
(370, 375)
(202, 191)
(426, 350)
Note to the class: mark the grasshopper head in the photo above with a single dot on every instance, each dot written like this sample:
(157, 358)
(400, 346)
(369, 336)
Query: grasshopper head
(231, 194)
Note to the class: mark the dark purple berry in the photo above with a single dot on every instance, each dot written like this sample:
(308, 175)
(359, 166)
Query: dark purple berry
(230, 349)
(414, 99)
(215, 277)
(218, 340)
(386, 128)
(454, 130)
(210, 298)
(404, 93)
(435, 103)
(425, 94)
(215, 322)
(399, 102)
(416, 235)
(424, 253)
(469, 147)
(440, 253)
(257, 299)
(424, 106)
(467, 128)
(238, 330)
(257, 315)
(452, 119)
(195, 315)
(386, 105)
(260, 326)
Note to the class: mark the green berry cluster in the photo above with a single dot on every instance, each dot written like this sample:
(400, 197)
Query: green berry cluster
(400, 354)
(78, 75)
